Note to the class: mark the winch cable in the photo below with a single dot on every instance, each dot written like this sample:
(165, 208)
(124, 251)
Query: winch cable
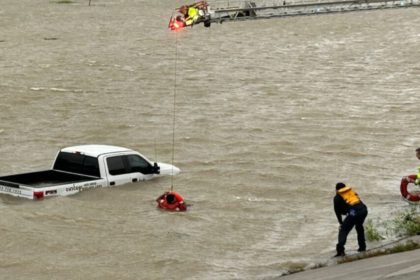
(174, 110)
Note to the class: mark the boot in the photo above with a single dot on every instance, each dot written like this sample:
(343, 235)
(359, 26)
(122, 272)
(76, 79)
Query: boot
(339, 254)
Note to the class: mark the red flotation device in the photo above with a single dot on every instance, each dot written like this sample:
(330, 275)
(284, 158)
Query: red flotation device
(171, 201)
(410, 196)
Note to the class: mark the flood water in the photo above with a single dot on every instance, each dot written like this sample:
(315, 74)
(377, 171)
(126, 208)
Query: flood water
(269, 115)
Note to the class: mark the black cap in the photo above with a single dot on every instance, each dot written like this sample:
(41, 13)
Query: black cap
(339, 186)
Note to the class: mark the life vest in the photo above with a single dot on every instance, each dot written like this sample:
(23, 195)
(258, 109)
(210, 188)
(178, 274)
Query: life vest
(349, 196)
(171, 201)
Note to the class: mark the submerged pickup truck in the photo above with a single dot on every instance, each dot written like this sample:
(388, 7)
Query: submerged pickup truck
(83, 167)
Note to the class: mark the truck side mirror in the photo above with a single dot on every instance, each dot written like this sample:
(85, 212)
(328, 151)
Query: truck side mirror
(156, 168)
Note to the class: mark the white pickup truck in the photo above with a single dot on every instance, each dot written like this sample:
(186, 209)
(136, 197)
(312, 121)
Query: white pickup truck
(83, 167)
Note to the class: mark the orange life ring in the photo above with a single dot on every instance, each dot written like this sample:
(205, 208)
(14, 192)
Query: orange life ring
(171, 201)
(413, 197)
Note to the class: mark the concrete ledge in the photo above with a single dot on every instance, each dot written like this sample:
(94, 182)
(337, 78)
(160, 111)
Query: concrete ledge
(399, 266)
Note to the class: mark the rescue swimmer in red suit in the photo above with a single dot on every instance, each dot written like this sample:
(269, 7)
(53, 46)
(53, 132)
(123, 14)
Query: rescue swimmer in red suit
(171, 201)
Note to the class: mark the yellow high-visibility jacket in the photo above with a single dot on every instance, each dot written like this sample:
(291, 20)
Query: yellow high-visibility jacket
(349, 196)
(192, 16)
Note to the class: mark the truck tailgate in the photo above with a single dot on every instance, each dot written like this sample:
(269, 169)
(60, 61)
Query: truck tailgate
(40, 184)
(13, 189)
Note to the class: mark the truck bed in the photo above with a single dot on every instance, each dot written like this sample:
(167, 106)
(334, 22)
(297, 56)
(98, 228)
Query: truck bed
(42, 179)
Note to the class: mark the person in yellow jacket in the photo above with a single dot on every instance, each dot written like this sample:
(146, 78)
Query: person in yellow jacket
(192, 17)
(191, 13)
(347, 202)
(417, 182)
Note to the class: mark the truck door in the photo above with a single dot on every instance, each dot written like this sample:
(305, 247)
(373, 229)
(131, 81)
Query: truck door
(117, 172)
(140, 167)
(125, 169)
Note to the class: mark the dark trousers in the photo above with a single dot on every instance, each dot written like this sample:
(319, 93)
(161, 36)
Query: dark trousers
(356, 217)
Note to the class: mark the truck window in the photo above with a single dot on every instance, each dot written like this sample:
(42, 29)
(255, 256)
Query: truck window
(138, 164)
(77, 163)
(116, 165)
(91, 166)
(128, 164)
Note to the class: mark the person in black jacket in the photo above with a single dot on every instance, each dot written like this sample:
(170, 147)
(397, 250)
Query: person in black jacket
(348, 203)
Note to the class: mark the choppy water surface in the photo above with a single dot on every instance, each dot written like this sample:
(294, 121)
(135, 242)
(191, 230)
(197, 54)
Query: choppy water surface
(269, 116)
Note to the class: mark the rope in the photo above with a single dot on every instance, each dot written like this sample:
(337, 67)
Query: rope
(174, 110)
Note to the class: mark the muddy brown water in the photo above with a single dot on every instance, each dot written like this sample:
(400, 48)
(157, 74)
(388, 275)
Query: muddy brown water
(269, 115)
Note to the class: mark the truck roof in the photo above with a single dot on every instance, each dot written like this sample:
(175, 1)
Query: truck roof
(95, 150)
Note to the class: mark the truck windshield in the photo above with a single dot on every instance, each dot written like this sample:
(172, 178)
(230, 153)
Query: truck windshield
(77, 163)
